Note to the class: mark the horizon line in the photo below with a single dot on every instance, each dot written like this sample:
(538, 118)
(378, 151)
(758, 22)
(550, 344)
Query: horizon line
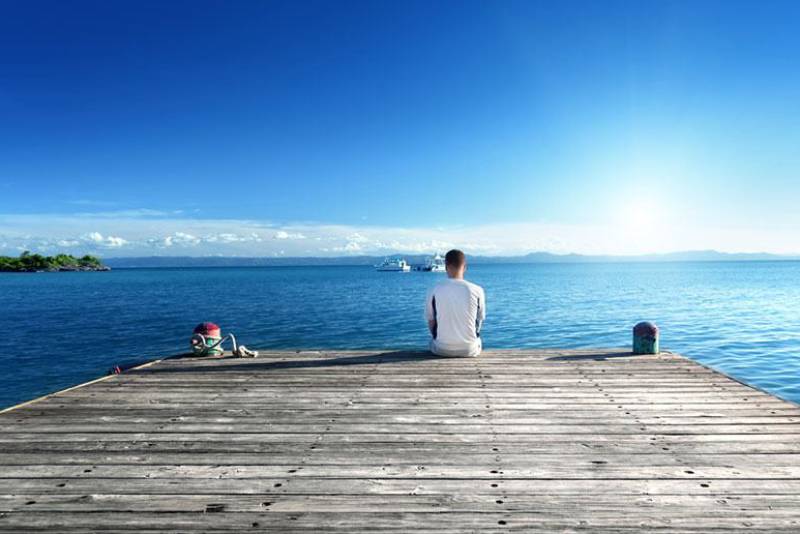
(555, 255)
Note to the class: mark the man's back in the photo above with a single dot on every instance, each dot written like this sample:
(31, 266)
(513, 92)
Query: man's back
(458, 308)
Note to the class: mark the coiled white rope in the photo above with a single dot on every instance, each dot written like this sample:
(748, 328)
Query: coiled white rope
(240, 351)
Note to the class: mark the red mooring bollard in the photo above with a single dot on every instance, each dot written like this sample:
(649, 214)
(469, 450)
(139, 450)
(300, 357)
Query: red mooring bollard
(211, 334)
(645, 338)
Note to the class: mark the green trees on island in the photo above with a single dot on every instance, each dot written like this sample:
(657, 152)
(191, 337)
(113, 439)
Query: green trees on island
(28, 262)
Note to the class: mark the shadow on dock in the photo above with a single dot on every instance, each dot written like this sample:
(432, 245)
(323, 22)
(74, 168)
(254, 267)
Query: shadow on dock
(369, 359)
(596, 357)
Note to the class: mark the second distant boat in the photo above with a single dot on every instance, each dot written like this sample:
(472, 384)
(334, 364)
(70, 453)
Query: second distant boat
(396, 265)
(435, 264)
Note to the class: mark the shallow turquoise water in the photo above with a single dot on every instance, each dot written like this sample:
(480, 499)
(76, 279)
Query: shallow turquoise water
(65, 328)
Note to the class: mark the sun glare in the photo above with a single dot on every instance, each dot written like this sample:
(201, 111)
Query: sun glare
(638, 225)
(639, 217)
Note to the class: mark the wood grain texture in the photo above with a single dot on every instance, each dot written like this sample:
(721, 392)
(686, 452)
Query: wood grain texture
(366, 441)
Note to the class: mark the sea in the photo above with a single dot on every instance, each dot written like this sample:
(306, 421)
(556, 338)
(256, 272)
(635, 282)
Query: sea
(61, 329)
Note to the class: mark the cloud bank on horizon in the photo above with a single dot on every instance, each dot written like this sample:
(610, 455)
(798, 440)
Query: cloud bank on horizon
(145, 232)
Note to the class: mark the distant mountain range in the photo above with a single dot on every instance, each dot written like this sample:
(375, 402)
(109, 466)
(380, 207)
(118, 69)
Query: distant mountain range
(533, 257)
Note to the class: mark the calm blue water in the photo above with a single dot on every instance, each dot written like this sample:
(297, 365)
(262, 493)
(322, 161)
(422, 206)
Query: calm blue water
(65, 328)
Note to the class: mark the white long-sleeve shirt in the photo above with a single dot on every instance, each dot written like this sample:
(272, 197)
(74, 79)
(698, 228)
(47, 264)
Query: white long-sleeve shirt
(459, 308)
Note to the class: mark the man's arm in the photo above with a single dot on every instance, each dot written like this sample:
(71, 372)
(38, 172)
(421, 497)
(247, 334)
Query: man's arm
(430, 313)
(481, 312)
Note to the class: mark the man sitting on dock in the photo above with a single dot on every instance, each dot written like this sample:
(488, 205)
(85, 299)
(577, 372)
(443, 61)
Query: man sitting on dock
(455, 310)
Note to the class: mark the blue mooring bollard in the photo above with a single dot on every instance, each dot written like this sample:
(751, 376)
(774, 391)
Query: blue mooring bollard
(645, 338)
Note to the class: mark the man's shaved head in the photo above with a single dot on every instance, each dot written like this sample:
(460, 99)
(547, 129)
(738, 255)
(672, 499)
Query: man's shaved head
(455, 259)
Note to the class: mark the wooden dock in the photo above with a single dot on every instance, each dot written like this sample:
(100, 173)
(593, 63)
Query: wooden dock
(560, 441)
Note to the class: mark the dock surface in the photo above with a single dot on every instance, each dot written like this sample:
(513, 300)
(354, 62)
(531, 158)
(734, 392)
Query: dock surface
(533, 440)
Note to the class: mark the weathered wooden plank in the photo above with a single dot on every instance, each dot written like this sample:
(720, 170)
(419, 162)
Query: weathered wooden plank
(519, 417)
(726, 519)
(502, 372)
(403, 419)
(563, 447)
(660, 409)
(562, 469)
(585, 488)
(567, 412)
(411, 429)
(198, 404)
(415, 502)
(279, 398)
(429, 458)
(334, 437)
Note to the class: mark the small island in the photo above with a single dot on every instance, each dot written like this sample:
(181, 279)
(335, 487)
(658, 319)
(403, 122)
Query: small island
(35, 263)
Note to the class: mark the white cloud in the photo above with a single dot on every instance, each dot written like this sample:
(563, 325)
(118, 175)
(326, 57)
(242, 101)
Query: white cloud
(183, 239)
(351, 247)
(421, 247)
(96, 238)
(357, 238)
(282, 234)
(232, 238)
(179, 239)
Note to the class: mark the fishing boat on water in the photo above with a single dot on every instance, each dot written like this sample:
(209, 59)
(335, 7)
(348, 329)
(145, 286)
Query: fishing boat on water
(435, 264)
(395, 265)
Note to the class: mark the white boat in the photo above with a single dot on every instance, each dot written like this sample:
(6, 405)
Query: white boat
(435, 264)
(394, 265)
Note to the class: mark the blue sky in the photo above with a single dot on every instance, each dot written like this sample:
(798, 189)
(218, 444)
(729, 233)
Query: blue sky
(327, 128)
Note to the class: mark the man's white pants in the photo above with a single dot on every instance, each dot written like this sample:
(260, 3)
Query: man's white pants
(469, 351)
